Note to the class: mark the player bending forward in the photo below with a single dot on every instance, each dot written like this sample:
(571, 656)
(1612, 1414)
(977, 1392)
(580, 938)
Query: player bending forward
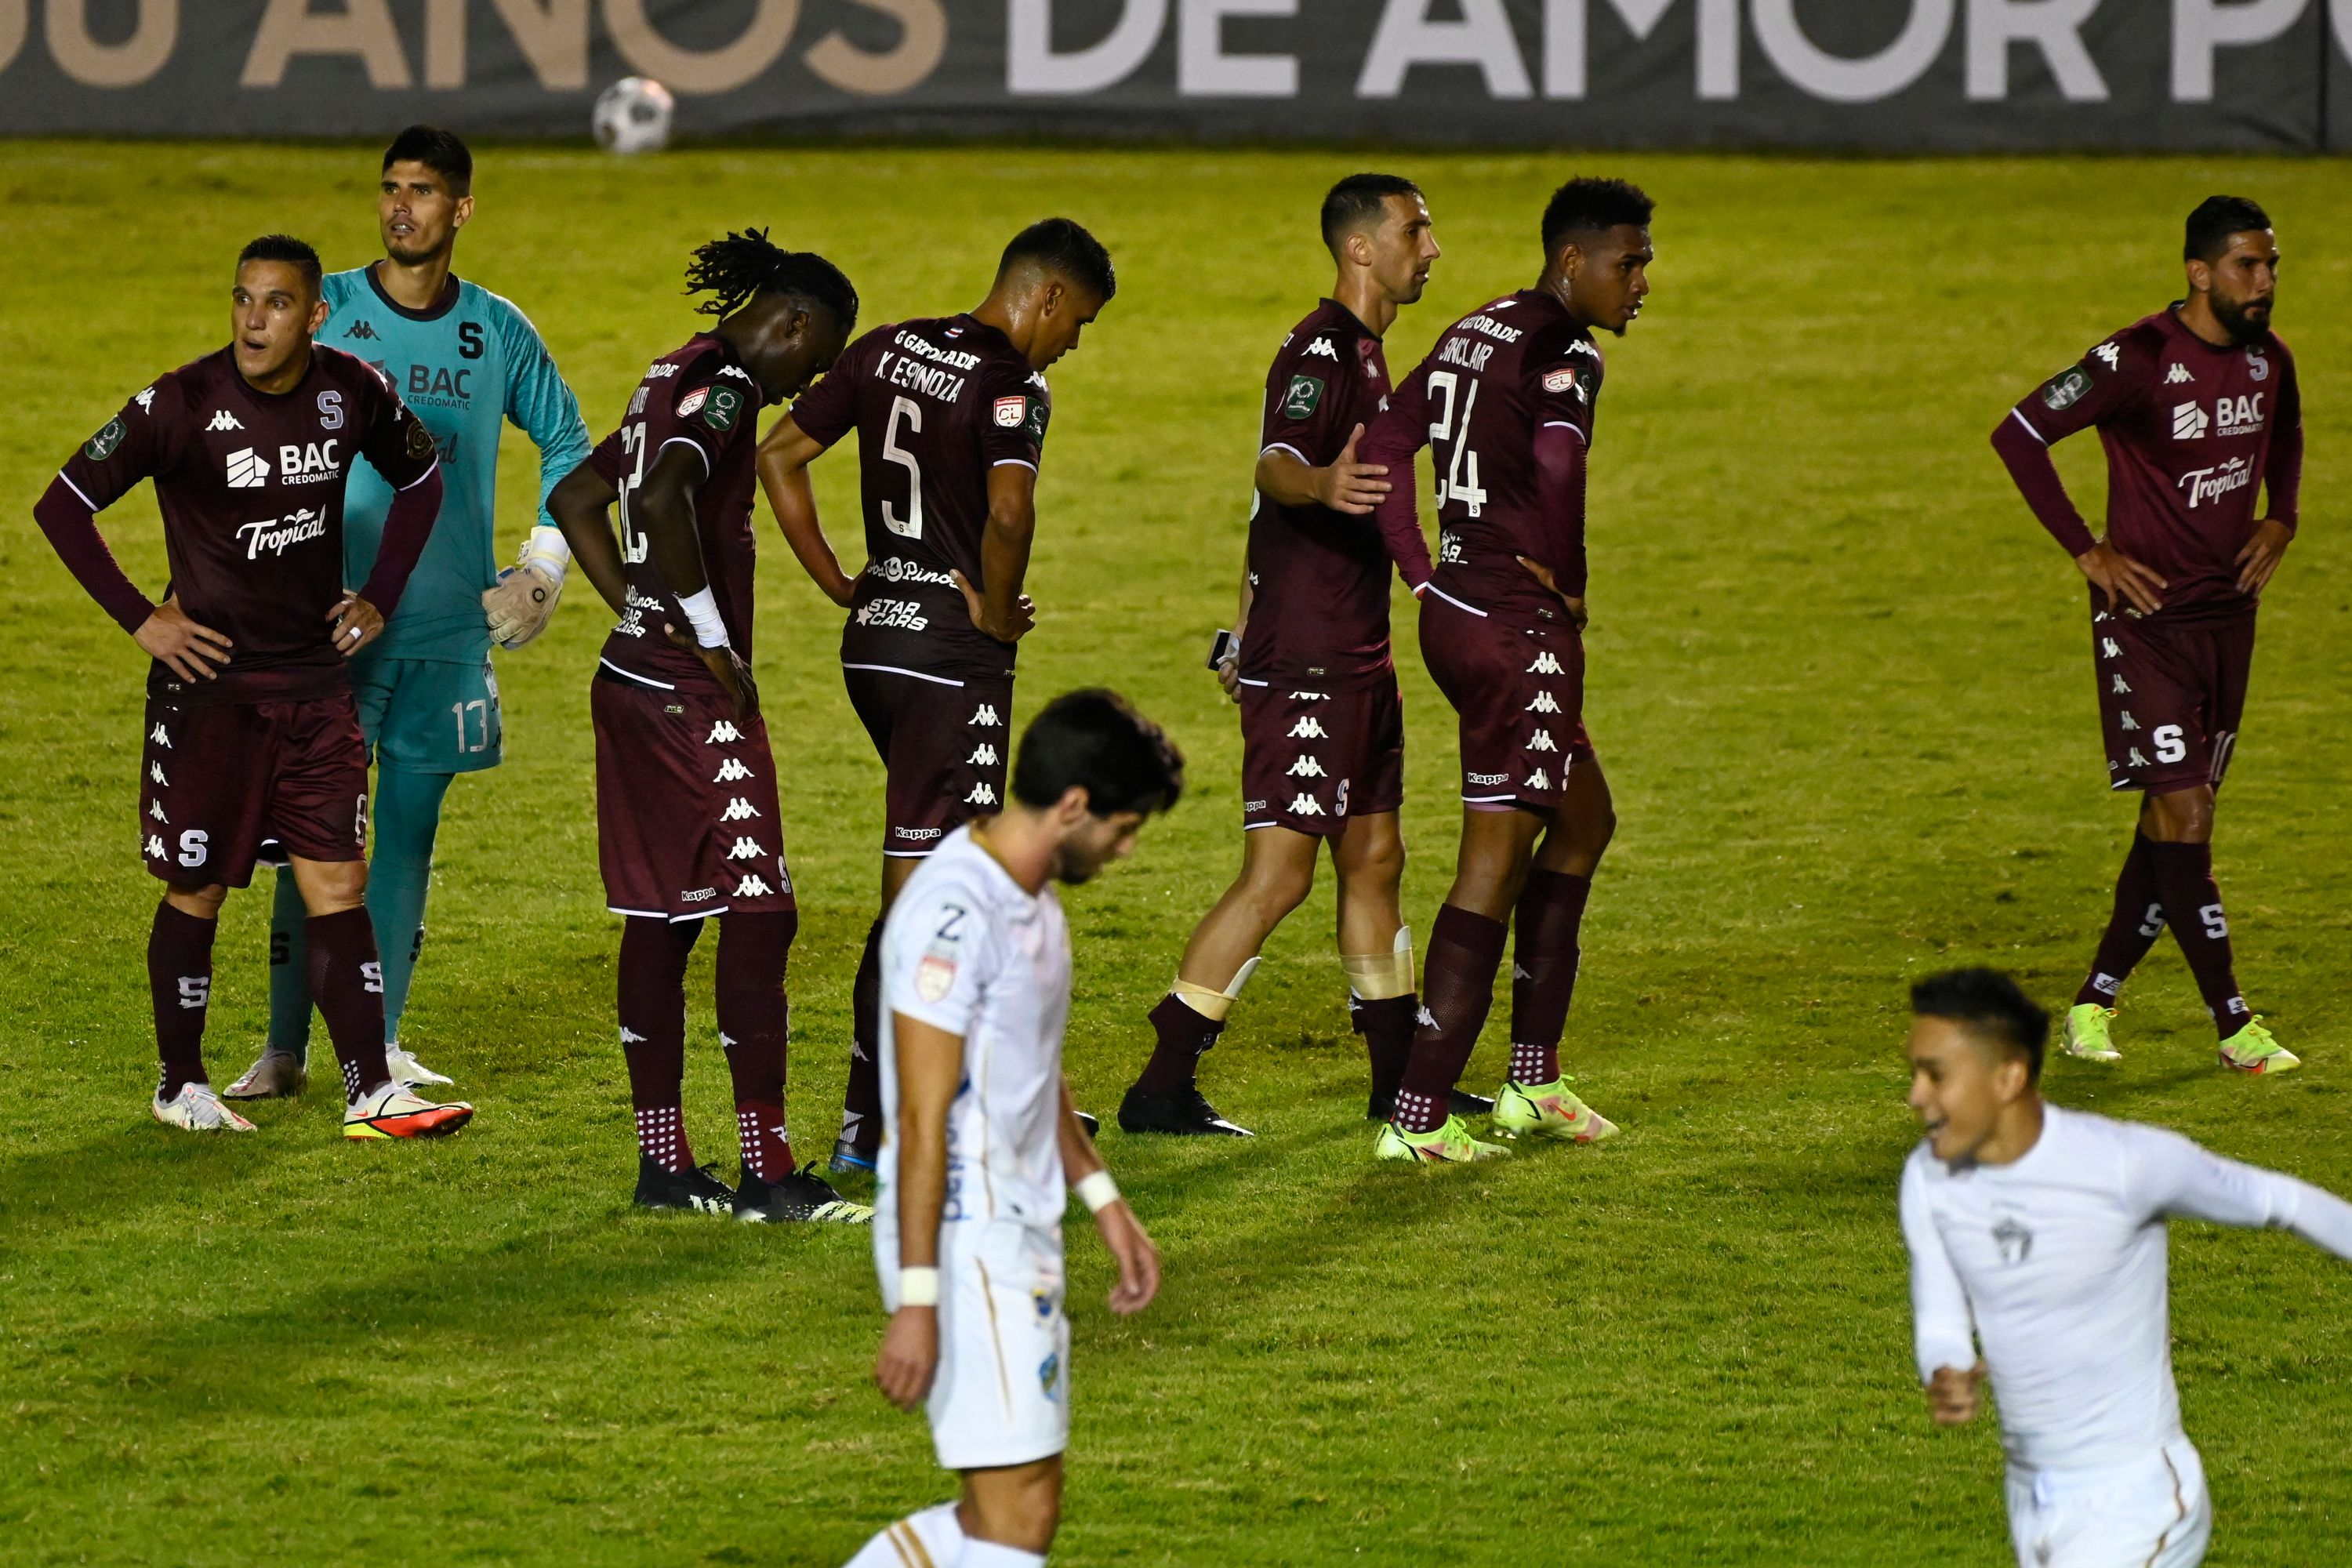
(428, 700)
(950, 414)
(982, 1137)
(687, 824)
(251, 730)
(1322, 726)
(2039, 1234)
(2198, 409)
(1506, 404)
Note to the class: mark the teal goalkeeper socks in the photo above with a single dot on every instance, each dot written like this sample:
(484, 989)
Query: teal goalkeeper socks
(407, 816)
(290, 970)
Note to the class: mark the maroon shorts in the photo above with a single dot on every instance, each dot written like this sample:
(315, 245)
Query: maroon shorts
(1312, 755)
(946, 745)
(686, 823)
(1519, 692)
(215, 782)
(2169, 698)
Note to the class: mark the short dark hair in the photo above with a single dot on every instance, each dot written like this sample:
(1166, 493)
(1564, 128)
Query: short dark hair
(1990, 1005)
(2214, 221)
(295, 253)
(1062, 245)
(1592, 206)
(1094, 740)
(439, 151)
(1358, 198)
(737, 268)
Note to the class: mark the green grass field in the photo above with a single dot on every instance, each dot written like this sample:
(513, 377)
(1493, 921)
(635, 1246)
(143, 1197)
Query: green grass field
(1840, 680)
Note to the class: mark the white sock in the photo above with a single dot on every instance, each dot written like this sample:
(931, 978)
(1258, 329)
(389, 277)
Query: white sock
(931, 1539)
(979, 1553)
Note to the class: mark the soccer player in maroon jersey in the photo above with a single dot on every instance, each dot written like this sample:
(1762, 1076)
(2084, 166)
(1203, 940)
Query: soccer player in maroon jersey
(1322, 726)
(950, 414)
(1506, 404)
(250, 725)
(2198, 409)
(687, 822)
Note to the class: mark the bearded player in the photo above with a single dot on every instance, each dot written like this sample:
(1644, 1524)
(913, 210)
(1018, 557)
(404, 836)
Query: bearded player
(687, 824)
(251, 731)
(2037, 1239)
(984, 1144)
(468, 361)
(2198, 409)
(950, 414)
(1506, 403)
(1322, 725)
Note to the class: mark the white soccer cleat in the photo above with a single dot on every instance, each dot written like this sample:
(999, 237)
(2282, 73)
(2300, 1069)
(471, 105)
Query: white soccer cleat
(196, 1108)
(405, 1069)
(274, 1075)
(396, 1111)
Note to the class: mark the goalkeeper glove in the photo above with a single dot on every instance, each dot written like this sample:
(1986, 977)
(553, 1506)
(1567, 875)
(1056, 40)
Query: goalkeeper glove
(520, 606)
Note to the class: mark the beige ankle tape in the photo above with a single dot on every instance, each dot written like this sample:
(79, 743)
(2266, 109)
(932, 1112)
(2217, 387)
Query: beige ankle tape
(1211, 1004)
(1376, 978)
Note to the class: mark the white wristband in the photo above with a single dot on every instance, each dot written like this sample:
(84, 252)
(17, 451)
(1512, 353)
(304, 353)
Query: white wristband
(548, 550)
(918, 1286)
(702, 609)
(1098, 1191)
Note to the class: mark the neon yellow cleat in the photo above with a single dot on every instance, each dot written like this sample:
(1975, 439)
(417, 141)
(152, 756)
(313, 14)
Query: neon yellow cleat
(1450, 1143)
(2085, 1033)
(2251, 1049)
(1549, 1111)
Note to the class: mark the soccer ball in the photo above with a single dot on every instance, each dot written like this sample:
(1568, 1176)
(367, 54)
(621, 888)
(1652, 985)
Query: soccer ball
(634, 115)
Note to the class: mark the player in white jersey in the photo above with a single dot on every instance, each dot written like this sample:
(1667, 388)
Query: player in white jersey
(980, 1141)
(2038, 1234)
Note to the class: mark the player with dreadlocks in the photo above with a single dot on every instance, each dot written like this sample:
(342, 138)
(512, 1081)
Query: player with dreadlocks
(686, 788)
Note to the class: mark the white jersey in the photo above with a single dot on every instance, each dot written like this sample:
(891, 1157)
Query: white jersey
(2055, 1264)
(969, 951)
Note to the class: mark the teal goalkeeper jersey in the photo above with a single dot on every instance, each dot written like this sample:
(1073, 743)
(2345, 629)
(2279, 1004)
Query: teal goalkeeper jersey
(469, 363)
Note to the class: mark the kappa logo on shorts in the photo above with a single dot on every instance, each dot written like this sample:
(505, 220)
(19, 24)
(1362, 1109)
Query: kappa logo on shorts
(753, 887)
(154, 848)
(162, 736)
(731, 770)
(2122, 689)
(1306, 768)
(984, 714)
(1484, 779)
(2110, 648)
(2126, 722)
(721, 734)
(155, 810)
(1546, 664)
(156, 772)
(738, 809)
(2134, 760)
(1539, 780)
(1309, 729)
(746, 849)
(1543, 704)
(1542, 742)
(983, 756)
(981, 794)
(1310, 697)
(1305, 805)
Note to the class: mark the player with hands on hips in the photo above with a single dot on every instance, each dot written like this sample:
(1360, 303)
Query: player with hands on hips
(982, 1144)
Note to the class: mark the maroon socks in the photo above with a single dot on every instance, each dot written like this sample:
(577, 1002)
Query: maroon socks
(347, 985)
(652, 1033)
(1387, 1027)
(180, 981)
(1544, 955)
(753, 950)
(2138, 920)
(2183, 874)
(1458, 990)
(1182, 1035)
(861, 1103)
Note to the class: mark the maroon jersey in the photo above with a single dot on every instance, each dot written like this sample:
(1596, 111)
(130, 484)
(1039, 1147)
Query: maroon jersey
(936, 405)
(250, 485)
(698, 395)
(2190, 432)
(1319, 578)
(1510, 368)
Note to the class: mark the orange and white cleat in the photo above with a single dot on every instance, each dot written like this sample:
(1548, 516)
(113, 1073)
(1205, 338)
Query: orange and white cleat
(396, 1111)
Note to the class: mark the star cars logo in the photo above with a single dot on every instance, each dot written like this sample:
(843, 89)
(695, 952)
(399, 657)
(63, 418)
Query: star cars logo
(2189, 422)
(247, 470)
(276, 533)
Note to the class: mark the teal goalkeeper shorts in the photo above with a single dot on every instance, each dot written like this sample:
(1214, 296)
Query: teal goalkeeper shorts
(423, 716)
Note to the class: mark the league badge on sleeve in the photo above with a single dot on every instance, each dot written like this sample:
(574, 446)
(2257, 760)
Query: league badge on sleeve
(1010, 412)
(691, 403)
(1300, 402)
(719, 413)
(2065, 390)
(420, 440)
(102, 444)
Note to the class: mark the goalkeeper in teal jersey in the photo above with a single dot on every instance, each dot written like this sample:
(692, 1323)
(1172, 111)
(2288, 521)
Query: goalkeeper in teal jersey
(465, 361)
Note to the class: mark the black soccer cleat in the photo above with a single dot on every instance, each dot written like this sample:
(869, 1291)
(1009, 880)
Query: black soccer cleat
(1381, 1107)
(851, 1158)
(1092, 1123)
(1185, 1112)
(799, 1197)
(696, 1189)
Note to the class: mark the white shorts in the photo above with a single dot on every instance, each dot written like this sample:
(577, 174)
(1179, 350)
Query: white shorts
(2149, 1513)
(1002, 1396)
